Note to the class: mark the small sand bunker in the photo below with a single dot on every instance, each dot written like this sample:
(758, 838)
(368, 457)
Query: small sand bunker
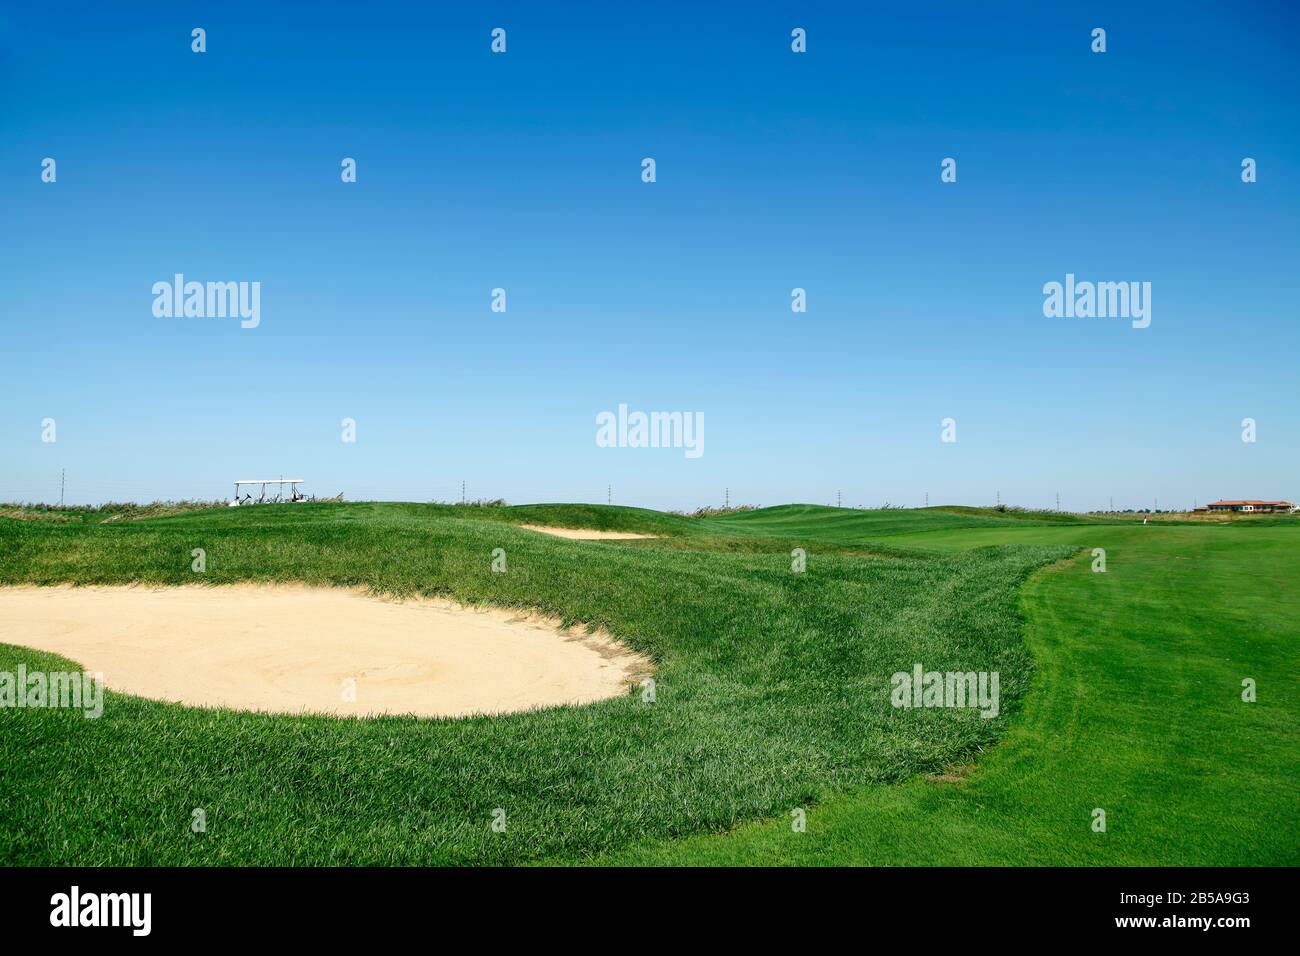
(586, 534)
(294, 649)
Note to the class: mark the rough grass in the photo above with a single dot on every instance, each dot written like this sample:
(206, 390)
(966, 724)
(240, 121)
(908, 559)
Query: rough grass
(110, 511)
(1136, 709)
(772, 689)
(21, 513)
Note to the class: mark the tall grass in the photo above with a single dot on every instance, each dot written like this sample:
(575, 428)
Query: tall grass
(772, 691)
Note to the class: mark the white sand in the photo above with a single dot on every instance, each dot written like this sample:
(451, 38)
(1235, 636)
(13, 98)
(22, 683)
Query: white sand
(586, 534)
(290, 649)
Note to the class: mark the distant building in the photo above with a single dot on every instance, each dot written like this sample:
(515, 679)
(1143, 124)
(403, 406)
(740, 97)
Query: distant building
(1266, 507)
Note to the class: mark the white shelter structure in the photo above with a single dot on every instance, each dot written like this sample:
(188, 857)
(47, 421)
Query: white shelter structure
(262, 499)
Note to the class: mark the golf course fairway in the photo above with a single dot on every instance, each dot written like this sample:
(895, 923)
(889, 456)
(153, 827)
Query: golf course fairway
(1136, 708)
(1121, 692)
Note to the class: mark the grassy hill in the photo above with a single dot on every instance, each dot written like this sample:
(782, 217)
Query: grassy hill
(1136, 708)
(856, 527)
(772, 694)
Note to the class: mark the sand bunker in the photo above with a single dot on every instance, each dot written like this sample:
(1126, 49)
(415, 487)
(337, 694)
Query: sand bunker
(292, 649)
(586, 534)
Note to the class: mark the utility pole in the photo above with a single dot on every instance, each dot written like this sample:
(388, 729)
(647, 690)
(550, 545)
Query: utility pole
(462, 492)
(726, 498)
(63, 480)
(1112, 503)
(609, 494)
(927, 499)
(999, 497)
(839, 500)
(1058, 501)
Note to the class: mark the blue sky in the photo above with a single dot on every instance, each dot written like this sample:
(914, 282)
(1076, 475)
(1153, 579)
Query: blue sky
(775, 170)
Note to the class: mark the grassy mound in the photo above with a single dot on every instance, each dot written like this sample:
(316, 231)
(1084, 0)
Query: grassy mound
(1136, 708)
(772, 691)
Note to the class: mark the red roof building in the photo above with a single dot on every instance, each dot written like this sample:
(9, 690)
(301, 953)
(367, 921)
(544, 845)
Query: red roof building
(1248, 506)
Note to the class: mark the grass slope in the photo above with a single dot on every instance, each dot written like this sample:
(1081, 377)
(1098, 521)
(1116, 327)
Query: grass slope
(772, 691)
(844, 526)
(1136, 708)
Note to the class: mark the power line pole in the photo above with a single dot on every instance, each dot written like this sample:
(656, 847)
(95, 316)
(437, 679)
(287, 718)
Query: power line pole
(609, 494)
(1058, 501)
(839, 500)
(462, 492)
(63, 480)
(999, 497)
(726, 498)
(927, 499)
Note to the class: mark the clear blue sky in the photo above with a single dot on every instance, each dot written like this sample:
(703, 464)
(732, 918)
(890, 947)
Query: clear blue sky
(775, 170)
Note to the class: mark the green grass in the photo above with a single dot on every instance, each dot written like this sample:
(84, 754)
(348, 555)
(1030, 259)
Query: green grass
(851, 527)
(1135, 708)
(772, 693)
(772, 690)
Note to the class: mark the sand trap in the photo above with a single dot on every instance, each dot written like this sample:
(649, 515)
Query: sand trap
(586, 534)
(290, 649)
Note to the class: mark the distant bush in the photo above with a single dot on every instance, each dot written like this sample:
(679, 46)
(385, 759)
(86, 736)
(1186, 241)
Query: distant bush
(116, 507)
(22, 513)
(119, 511)
(713, 512)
